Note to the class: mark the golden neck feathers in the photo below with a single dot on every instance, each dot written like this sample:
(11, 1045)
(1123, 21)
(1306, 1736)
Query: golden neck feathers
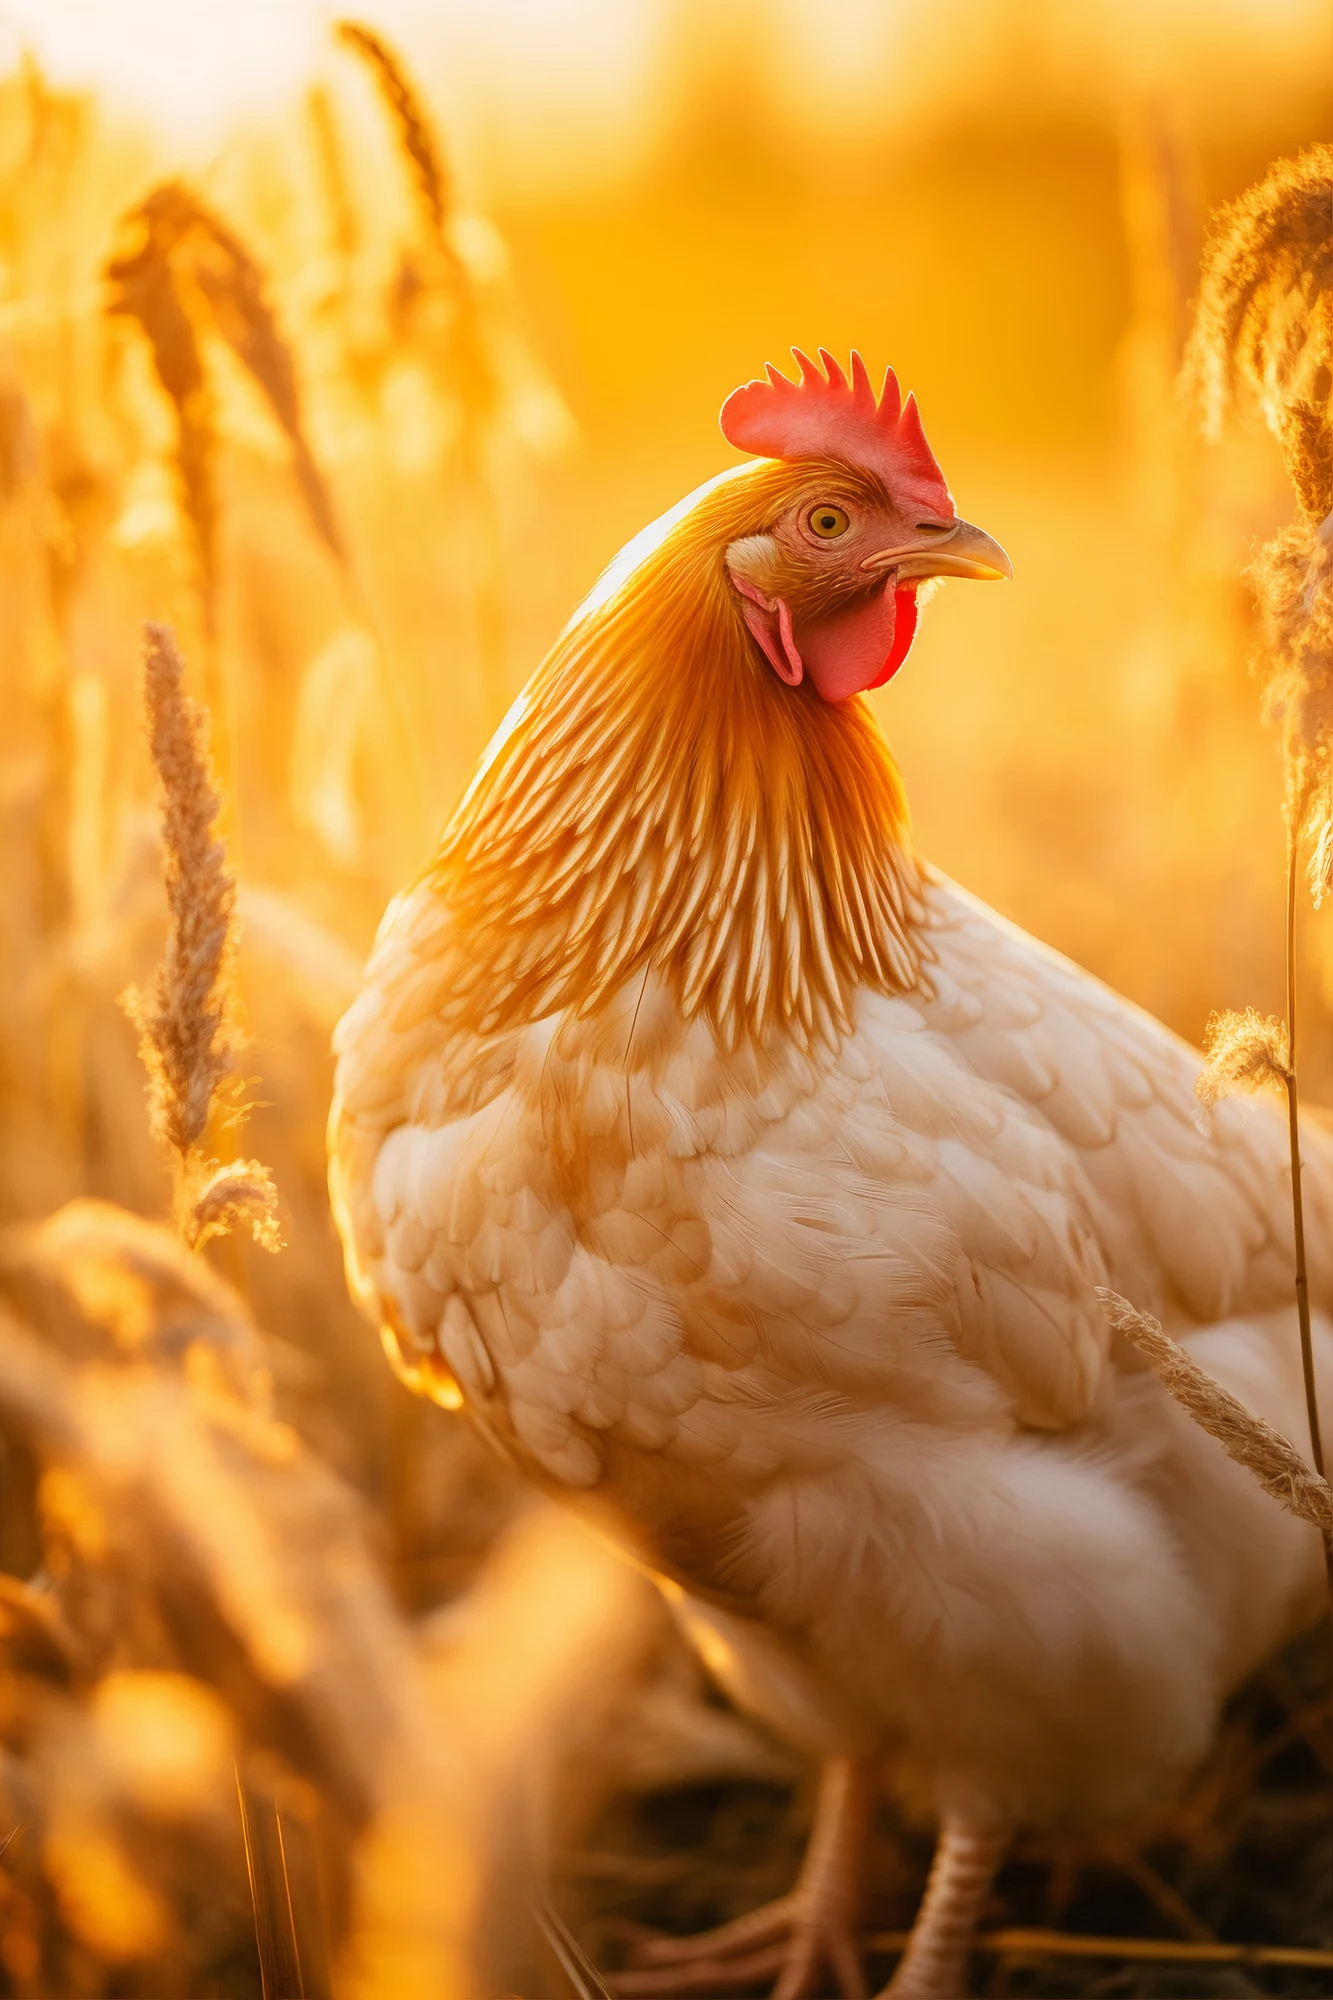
(658, 799)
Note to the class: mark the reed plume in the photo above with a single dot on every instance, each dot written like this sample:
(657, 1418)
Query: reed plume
(1246, 1050)
(187, 1024)
(1264, 316)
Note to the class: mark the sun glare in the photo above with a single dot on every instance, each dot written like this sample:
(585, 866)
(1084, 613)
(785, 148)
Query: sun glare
(189, 68)
(192, 70)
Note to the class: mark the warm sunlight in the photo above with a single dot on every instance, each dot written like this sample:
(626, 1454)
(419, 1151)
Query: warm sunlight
(666, 1030)
(190, 68)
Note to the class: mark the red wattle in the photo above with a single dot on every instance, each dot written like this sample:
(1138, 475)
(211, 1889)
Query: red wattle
(904, 631)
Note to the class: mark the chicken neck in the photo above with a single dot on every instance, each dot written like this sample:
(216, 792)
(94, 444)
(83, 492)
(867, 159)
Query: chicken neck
(656, 797)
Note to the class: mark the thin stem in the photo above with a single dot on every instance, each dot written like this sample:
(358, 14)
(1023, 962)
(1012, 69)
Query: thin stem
(270, 1896)
(1297, 1203)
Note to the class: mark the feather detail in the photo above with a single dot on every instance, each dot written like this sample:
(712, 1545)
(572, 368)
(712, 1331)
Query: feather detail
(654, 798)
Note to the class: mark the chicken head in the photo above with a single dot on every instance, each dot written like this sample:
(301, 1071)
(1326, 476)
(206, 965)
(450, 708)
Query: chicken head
(831, 588)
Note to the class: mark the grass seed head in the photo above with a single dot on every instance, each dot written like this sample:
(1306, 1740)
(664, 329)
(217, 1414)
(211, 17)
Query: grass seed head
(188, 1035)
(237, 1195)
(468, 365)
(186, 1044)
(1264, 315)
(1273, 1460)
(233, 285)
(1246, 1050)
(413, 128)
(180, 254)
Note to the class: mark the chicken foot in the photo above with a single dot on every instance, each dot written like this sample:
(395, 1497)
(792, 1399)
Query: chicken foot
(797, 1937)
(934, 1965)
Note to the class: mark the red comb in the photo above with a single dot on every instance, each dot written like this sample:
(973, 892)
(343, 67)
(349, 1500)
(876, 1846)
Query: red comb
(826, 416)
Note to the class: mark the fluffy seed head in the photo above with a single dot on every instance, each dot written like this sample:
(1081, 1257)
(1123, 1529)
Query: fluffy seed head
(1265, 315)
(1246, 1050)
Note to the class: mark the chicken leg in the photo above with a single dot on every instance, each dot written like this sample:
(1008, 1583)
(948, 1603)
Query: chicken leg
(934, 1965)
(795, 1938)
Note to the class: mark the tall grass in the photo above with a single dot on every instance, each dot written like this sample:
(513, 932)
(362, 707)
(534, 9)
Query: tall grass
(460, 345)
(1265, 313)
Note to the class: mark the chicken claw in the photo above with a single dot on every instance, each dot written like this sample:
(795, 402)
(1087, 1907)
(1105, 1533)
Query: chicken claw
(792, 1940)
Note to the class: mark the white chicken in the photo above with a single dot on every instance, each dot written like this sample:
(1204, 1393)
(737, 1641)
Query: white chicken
(749, 1184)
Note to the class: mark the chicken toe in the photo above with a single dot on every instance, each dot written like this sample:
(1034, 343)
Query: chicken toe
(794, 1941)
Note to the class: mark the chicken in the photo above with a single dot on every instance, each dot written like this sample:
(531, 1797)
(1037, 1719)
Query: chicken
(748, 1184)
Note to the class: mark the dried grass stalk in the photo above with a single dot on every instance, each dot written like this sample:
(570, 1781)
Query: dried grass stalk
(233, 284)
(468, 365)
(144, 288)
(186, 248)
(462, 354)
(187, 1025)
(1273, 1460)
(333, 175)
(414, 132)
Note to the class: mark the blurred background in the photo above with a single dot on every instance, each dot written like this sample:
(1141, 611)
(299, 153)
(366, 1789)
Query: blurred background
(361, 404)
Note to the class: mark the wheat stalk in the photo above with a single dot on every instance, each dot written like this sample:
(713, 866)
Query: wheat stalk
(469, 362)
(181, 248)
(333, 176)
(467, 365)
(414, 132)
(145, 288)
(213, 259)
(233, 285)
(187, 1023)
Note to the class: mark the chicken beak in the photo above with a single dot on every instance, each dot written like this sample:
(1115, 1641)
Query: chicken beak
(963, 550)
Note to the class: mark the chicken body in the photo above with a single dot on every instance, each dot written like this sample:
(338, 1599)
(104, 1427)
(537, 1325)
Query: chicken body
(823, 1341)
(750, 1185)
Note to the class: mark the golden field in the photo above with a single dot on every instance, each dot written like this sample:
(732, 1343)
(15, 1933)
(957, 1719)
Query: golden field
(363, 434)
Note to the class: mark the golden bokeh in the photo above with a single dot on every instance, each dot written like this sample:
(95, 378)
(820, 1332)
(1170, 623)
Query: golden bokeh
(362, 409)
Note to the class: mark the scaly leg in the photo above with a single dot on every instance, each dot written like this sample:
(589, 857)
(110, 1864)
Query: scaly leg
(934, 1965)
(796, 1938)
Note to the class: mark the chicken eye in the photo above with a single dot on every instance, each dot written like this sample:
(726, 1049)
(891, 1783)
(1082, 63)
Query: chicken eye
(828, 521)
